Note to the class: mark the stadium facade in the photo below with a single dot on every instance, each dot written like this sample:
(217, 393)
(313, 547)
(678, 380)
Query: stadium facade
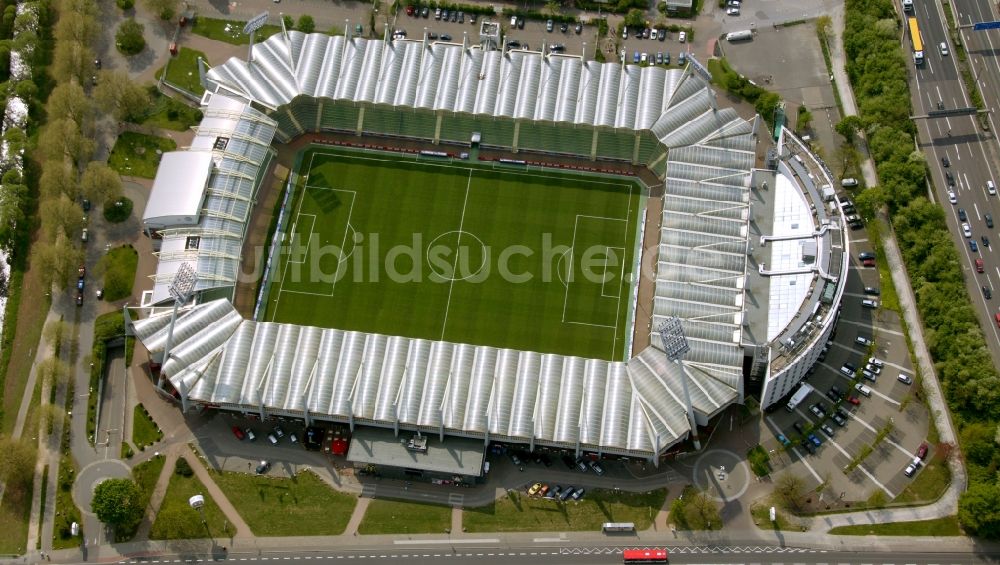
(724, 221)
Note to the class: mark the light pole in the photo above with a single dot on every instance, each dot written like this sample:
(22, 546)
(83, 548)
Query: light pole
(675, 345)
(181, 289)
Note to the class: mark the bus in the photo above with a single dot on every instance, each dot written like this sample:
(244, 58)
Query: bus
(646, 555)
(618, 527)
(918, 44)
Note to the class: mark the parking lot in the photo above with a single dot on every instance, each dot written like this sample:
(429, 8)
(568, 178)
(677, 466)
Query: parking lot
(889, 405)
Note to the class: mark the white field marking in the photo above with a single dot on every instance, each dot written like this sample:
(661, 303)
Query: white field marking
(571, 263)
(621, 280)
(458, 246)
(607, 251)
(308, 241)
(569, 266)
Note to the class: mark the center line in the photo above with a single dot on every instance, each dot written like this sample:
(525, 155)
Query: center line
(458, 245)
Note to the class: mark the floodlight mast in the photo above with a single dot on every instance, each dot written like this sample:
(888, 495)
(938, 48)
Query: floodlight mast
(675, 346)
(252, 26)
(181, 289)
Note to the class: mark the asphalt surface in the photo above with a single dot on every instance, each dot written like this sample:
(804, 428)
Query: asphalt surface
(970, 150)
(469, 553)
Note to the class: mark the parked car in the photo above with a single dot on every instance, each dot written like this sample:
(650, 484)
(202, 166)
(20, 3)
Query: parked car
(581, 466)
(799, 426)
(544, 490)
(783, 440)
(578, 493)
(533, 489)
(567, 492)
(549, 25)
(827, 430)
(862, 340)
(815, 440)
(280, 433)
(872, 290)
(905, 379)
(239, 433)
(263, 467)
(922, 451)
(815, 409)
(596, 467)
(682, 37)
(854, 400)
(840, 420)
(250, 435)
(808, 446)
(272, 439)
(869, 303)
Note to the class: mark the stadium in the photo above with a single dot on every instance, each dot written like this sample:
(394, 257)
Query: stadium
(478, 151)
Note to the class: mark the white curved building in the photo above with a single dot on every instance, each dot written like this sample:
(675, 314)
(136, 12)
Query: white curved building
(664, 119)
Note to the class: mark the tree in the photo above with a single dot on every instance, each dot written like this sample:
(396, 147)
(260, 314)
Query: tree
(59, 260)
(17, 466)
(52, 369)
(72, 60)
(306, 24)
(68, 100)
(804, 120)
(118, 503)
(848, 127)
(165, 9)
(61, 216)
(979, 510)
(100, 183)
(58, 179)
(55, 332)
(116, 93)
(61, 139)
(635, 18)
(701, 512)
(552, 7)
(81, 27)
(288, 21)
(789, 490)
(12, 213)
(129, 39)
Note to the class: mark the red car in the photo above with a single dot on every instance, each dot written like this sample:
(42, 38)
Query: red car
(238, 433)
(854, 400)
(922, 450)
(979, 266)
(410, 10)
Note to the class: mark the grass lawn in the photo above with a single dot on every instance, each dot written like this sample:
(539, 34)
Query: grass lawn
(519, 513)
(119, 266)
(14, 515)
(274, 506)
(761, 514)
(135, 154)
(929, 483)
(182, 70)
(398, 517)
(947, 526)
(168, 113)
(214, 28)
(144, 429)
(30, 300)
(177, 520)
(460, 253)
(66, 510)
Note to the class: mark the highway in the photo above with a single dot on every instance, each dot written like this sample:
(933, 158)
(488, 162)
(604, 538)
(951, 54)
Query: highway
(970, 149)
(589, 555)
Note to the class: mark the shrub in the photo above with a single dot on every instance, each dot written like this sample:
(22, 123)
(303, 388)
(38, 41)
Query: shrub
(183, 468)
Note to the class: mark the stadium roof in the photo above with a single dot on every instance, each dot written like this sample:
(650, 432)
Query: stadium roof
(234, 140)
(178, 188)
(457, 456)
(635, 407)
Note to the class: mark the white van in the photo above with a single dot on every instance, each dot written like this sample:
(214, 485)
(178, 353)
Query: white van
(863, 389)
(991, 188)
(849, 183)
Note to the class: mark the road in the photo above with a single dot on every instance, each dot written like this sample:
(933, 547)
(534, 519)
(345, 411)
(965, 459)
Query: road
(971, 152)
(433, 555)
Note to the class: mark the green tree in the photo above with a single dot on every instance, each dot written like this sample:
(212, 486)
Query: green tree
(848, 127)
(288, 21)
(125, 4)
(62, 139)
(701, 512)
(72, 60)
(17, 466)
(766, 106)
(58, 179)
(68, 100)
(61, 216)
(306, 24)
(635, 18)
(118, 503)
(790, 491)
(120, 96)
(979, 510)
(12, 213)
(100, 183)
(129, 39)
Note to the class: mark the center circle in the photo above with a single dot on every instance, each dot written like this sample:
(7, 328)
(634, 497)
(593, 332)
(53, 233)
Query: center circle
(459, 265)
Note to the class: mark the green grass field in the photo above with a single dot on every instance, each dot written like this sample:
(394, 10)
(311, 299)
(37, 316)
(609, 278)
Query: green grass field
(510, 258)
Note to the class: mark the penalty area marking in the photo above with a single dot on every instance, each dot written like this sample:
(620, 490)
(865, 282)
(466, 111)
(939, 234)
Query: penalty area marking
(569, 265)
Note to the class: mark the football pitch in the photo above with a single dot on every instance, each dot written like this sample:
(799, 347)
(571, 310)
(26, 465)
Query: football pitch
(468, 253)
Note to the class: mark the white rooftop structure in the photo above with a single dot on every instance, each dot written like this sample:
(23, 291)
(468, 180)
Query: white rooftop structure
(215, 181)
(178, 190)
